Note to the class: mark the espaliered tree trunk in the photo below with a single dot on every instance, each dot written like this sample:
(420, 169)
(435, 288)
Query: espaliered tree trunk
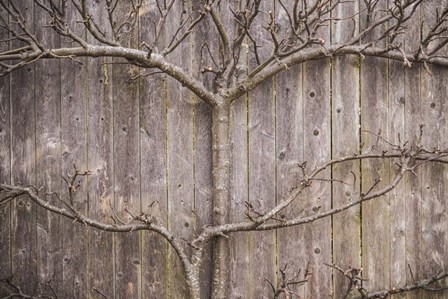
(293, 33)
(221, 195)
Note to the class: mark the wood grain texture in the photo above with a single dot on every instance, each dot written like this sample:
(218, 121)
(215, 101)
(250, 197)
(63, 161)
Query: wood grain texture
(317, 139)
(48, 157)
(413, 183)
(262, 166)
(396, 129)
(126, 157)
(262, 197)
(239, 186)
(413, 197)
(433, 249)
(180, 147)
(23, 151)
(376, 253)
(345, 141)
(375, 214)
(289, 154)
(74, 153)
(5, 172)
(100, 162)
(434, 189)
(147, 144)
(239, 243)
(153, 184)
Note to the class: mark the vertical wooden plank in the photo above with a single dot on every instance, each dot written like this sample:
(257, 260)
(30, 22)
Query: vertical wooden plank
(289, 152)
(404, 120)
(153, 183)
(180, 155)
(5, 169)
(396, 129)
(434, 221)
(153, 134)
(434, 109)
(239, 243)
(48, 154)
(317, 149)
(126, 160)
(100, 163)
(262, 167)
(262, 170)
(74, 153)
(23, 224)
(413, 183)
(345, 141)
(375, 214)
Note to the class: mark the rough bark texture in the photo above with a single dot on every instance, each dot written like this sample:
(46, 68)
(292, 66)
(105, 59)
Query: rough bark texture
(221, 196)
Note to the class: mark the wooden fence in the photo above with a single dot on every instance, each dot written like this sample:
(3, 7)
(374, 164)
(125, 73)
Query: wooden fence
(147, 145)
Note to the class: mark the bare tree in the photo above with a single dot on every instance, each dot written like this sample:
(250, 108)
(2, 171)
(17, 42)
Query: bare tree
(379, 29)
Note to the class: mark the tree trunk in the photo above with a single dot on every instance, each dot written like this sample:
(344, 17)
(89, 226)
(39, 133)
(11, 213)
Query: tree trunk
(221, 198)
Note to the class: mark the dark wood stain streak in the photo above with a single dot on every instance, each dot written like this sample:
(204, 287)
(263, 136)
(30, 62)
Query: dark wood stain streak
(5, 175)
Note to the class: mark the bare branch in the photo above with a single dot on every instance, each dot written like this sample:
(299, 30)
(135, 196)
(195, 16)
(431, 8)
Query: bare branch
(142, 222)
(354, 276)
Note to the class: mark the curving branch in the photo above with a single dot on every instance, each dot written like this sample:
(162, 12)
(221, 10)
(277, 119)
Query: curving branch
(355, 279)
(409, 158)
(141, 222)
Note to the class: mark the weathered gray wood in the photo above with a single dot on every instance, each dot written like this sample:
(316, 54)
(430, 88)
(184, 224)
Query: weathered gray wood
(23, 223)
(289, 152)
(239, 184)
(148, 141)
(433, 248)
(262, 185)
(239, 243)
(413, 183)
(396, 131)
(317, 140)
(345, 141)
(262, 168)
(433, 242)
(404, 127)
(126, 152)
(180, 121)
(153, 151)
(99, 84)
(74, 152)
(5, 173)
(48, 157)
(375, 214)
